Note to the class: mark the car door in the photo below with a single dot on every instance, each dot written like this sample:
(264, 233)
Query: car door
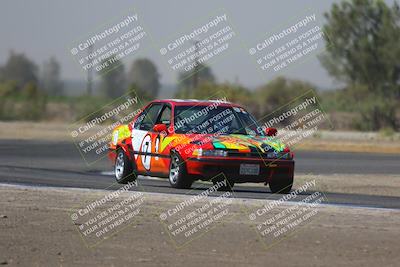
(160, 161)
(142, 137)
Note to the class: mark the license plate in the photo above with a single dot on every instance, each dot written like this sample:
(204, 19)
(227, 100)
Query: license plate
(249, 169)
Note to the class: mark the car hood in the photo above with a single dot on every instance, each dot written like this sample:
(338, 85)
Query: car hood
(247, 143)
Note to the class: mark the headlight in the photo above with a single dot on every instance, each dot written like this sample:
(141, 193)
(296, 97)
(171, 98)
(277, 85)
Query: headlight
(284, 155)
(279, 155)
(210, 153)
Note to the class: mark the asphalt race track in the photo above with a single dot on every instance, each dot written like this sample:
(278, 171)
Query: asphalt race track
(59, 164)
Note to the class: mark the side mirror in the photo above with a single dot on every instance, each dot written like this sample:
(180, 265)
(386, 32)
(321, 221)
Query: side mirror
(160, 128)
(271, 131)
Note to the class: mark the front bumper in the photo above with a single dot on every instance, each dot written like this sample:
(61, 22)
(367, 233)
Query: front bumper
(208, 168)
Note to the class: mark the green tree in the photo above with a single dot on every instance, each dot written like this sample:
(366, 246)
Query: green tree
(363, 50)
(8, 90)
(34, 105)
(144, 96)
(20, 97)
(144, 75)
(278, 93)
(113, 82)
(202, 73)
(50, 77)
(20, 69)
(230, 92)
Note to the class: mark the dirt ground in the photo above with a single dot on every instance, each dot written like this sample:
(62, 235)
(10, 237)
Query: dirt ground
(36, 230)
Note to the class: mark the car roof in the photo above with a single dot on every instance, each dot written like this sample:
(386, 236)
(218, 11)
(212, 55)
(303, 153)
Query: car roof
(197, 102)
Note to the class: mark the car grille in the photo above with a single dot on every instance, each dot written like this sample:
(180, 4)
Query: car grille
(259, 154)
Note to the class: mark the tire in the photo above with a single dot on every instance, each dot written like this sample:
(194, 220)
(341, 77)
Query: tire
(228, 187)
(178, 177)
(123, 168)
(281, 186)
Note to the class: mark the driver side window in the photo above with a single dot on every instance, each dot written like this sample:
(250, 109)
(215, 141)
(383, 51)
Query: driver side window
(146, 120)
(165, 117)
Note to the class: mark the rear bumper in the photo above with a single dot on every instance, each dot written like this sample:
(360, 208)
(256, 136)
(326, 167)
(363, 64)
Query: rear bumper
(208, 168)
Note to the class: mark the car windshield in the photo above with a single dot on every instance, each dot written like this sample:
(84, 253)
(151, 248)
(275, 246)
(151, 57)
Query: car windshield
(213, 119)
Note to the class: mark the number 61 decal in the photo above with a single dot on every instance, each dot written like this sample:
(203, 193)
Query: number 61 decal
(146, 150)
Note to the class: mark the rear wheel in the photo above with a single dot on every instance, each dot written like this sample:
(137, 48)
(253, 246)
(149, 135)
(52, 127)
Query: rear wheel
(178, 177)
(123, 168)
(281, 185)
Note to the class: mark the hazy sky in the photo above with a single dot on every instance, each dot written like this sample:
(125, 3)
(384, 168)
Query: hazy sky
(43, 28)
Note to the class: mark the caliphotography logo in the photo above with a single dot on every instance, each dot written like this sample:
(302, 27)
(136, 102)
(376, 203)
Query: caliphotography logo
(200, 133)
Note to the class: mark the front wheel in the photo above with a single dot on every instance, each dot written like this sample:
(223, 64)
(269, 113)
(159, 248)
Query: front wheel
(178, 177)
(281, 185)
(123, 168)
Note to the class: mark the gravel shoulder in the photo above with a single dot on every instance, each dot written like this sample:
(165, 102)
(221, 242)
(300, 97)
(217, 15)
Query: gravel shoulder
(36, 230)
(364, 184)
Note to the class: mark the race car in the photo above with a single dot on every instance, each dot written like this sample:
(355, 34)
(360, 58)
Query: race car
(209, 140)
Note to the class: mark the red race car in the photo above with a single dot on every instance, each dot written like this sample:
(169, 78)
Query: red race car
(188, 140)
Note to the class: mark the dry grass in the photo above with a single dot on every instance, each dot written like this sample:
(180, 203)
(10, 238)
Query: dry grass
(373, 146)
